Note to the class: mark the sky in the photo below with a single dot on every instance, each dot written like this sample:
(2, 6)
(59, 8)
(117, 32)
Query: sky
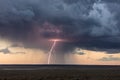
(84, 32)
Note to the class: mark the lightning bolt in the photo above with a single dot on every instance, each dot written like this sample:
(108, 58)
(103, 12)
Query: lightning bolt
(51, 50)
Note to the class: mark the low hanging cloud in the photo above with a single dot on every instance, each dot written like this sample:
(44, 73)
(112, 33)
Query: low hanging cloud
(110, 58)
(8, 51)
(86, 24)
(5, 51)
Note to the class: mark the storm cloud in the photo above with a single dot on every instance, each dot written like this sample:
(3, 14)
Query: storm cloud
(85, 23)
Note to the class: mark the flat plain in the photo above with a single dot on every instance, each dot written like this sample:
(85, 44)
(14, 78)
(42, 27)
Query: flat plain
(59, 72)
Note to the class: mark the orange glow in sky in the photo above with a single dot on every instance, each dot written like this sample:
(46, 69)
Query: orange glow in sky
(38, 56)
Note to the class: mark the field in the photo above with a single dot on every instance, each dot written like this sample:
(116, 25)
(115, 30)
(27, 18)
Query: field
(60, 73)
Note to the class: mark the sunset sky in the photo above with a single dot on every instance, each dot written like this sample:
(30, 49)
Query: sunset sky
(60, 32)
(20, 55)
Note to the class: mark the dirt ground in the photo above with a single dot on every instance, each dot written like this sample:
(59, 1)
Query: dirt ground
(60, 74)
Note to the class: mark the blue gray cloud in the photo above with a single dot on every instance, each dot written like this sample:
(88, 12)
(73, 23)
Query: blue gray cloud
(86, 23)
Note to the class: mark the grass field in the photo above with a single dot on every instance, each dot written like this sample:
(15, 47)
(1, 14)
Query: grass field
(74, 73)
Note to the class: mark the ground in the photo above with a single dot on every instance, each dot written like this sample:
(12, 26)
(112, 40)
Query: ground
(61, 74)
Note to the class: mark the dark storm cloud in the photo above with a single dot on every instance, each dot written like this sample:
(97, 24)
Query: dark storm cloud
(108, 50)
(86, 23)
